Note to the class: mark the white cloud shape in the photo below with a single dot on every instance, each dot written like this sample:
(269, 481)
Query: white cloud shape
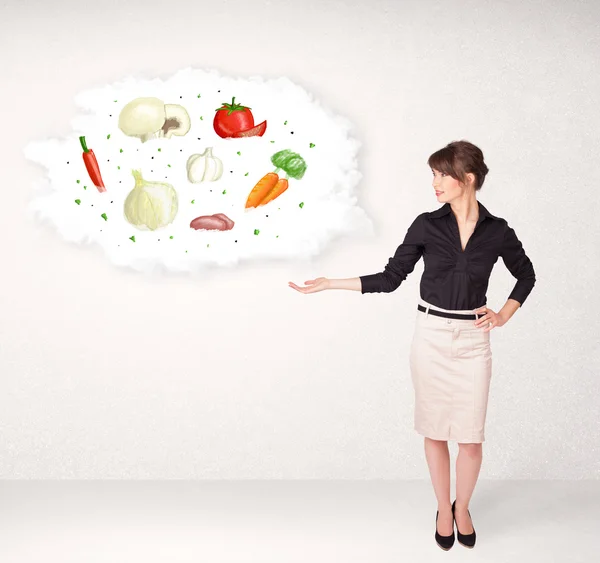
(314, 210)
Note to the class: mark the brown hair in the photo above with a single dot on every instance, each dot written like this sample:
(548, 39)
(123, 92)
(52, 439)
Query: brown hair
(457, 159)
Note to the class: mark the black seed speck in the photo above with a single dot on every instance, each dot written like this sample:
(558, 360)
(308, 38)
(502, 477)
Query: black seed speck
(236, 241)
(92, 205)
(136, 150)
(218, 90)
(108, 160)
(231, 171)
(292, 132)
(152, 157)
(67, 162)
(158, 240)
(151, 170)
(111, 201)
(180, 150)
(119, 181)
(266, 215)
(211, 190)
(180, 97)
(198, 138)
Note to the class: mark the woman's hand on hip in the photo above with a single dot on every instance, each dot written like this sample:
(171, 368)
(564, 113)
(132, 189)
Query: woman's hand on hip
(489, 319)
(311, 286)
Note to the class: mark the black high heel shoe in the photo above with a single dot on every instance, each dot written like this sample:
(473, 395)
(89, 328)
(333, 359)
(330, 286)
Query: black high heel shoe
(445, 542)
(468, 540)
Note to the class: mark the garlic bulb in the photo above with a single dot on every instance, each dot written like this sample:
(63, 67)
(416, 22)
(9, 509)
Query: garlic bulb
(204, 167)
(151, 118)
(150, 205)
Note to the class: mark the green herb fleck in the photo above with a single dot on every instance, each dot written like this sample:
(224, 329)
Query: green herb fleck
(120, 150)
(198, 95)
(118, 168)
(159, 149)
(78, 181)
(77, 201)
(115, 100)
(132, 238)
(246, 174)
(85, 187)
(186, 251)
(193, 201)
(277, 236)
(171, 236)
(301, 205)
(104, 216)
(201, 118)
(108, 136)
(239, 152)
(272, 141)
(224, 192)
(285, 122)
(256, 231)
(312, 145)
(169, 165)
(207, 245)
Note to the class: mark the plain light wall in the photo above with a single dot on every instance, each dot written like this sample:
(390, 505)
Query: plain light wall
(238, 376)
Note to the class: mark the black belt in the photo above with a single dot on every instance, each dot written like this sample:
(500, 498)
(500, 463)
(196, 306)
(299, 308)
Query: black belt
(446, 315)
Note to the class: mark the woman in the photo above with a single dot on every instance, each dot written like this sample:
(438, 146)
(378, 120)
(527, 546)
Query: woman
(450, 356)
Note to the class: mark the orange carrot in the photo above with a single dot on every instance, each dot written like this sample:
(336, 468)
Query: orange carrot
(279, 188)
(263, 187)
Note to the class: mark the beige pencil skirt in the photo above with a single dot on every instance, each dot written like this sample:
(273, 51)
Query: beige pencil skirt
(451, 370)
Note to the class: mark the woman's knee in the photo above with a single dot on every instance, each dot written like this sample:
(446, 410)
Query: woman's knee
(472, 450)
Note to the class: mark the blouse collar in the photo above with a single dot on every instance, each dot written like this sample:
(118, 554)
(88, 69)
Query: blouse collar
(446, 208)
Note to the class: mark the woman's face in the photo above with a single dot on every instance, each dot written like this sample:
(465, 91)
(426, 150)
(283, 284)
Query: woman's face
(446, 187)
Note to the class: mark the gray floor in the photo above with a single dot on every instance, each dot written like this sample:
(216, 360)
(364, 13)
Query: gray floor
(289, 521)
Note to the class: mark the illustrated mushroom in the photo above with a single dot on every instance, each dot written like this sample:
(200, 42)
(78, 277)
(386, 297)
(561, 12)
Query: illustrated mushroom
(177, 121)
(150, 118)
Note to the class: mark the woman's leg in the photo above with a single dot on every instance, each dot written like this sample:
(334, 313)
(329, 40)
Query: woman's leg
(438, 460)
(468, 464)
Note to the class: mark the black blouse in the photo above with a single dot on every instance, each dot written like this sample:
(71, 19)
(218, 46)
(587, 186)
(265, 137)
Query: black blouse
(453, 278)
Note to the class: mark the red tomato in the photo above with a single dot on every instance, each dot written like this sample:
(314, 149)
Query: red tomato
(258, 130)
(232, 118)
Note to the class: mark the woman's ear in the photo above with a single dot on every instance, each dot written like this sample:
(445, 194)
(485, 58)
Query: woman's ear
(470, 179)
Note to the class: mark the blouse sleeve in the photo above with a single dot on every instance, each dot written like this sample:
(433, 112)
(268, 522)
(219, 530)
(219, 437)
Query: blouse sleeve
(400, 265)
(519, 265)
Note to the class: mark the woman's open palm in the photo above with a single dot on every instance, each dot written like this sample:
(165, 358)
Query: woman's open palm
(318, 284)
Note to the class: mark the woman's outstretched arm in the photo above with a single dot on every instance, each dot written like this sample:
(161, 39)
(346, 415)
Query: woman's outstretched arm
(319, 284)
(395, 272)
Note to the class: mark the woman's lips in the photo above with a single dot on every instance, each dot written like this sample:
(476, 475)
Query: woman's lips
(438, 193)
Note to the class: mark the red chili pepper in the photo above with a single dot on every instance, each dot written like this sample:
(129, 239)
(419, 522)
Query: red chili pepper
(89, 159)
